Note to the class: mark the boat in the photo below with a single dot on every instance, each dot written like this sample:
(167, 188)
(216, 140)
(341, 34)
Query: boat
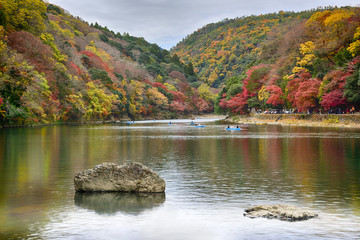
(233, 129)
(199, 126)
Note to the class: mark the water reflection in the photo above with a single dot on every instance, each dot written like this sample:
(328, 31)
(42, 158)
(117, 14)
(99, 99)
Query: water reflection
(205, 170)
(113, 202)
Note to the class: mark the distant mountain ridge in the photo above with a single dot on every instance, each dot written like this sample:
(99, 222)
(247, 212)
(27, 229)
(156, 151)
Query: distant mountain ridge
(307, 60)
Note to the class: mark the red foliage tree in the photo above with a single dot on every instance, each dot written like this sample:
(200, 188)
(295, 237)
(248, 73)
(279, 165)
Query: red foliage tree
(333, 99)
(203, 106)
(238, 103)
(157, 84)
(93, 61)
(178, 106)
(36, 53)
(306, 96)
(1, 101)
(333, 91)
(293, 85)
(276, 95)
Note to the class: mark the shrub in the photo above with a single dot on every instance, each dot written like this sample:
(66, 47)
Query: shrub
(97, 74)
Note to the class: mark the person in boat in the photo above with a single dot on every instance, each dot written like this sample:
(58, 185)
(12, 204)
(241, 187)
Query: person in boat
(237, 126)
(228, 126)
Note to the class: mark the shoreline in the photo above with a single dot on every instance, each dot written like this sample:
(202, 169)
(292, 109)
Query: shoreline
(100, 122)
(300, 120)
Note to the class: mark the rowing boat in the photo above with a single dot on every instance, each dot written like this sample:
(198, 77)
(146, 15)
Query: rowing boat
(233, 129)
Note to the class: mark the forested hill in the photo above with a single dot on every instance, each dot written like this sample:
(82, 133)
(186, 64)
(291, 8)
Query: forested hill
(56, 67)
(308, 61)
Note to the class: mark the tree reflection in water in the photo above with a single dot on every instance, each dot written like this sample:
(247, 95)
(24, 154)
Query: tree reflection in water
(113, 202)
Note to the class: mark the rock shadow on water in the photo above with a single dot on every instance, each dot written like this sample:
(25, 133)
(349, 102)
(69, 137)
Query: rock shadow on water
(108, 203)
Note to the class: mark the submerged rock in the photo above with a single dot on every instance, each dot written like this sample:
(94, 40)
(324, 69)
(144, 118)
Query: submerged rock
(280, 211)
(110, 177)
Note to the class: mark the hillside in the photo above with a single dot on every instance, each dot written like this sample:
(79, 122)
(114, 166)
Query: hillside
(55, 67)
(308, 61)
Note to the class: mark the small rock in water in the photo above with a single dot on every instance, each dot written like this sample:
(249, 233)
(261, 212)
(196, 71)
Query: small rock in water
(280, 211)
(110, 177)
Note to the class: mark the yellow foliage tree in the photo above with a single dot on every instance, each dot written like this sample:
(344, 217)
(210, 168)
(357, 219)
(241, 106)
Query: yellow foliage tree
(204, 92)
(63, 32)
(354, 47)
(100, 103)
(48, 39)
(307, 51)
(331, 29)
(213, 76)
(263, 94)
(135, 91)
(157, 98)
(98, 52)
(28, 15)
(337, 21)
(2, 43)
(170, 87)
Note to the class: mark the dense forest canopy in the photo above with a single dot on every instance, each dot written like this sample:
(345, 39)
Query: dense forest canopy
(308, 61)
(56, 67)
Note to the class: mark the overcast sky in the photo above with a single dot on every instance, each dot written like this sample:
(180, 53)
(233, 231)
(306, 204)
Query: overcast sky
(166, 22)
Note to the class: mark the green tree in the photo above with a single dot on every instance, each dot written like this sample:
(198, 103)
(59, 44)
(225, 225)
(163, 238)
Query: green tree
(352, 88)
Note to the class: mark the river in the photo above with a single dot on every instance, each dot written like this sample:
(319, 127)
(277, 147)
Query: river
(211, 176)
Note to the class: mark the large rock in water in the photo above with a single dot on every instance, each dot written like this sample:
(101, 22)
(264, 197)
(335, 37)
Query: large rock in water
(279, 211)
(110, 177)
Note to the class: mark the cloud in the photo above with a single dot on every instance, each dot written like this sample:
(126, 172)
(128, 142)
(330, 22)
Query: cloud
(166, 22)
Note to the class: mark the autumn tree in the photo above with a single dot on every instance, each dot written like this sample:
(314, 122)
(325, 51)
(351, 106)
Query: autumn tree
(306, 95)
(35, 51)
(293, 85)
(27, 15)
(331, 92)
(157, 98)
(333, 99)
(354, 47)
(276, 95)
(99, 102)
(352, 86)
(331, 29)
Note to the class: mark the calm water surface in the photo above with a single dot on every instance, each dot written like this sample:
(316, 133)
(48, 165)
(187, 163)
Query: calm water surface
(212, 175)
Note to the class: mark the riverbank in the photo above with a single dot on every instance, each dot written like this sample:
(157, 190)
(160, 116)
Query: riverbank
(308, 120)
